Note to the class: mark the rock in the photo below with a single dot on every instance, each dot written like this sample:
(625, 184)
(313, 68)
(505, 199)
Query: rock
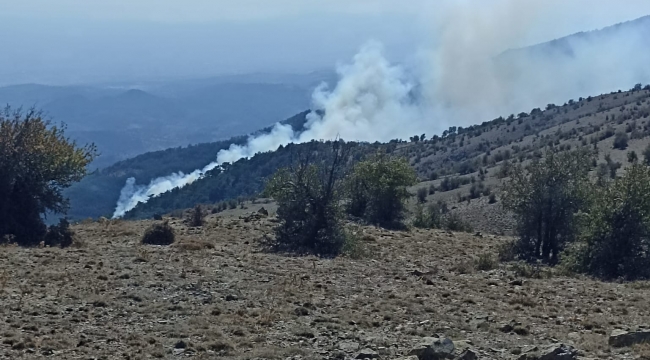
(262, 211)
(517, 282)
(301, 311)
(559, 352)
(621, 338)
(462, 345)
(478, 234)
(367, 354)
(349, 346)
(231, 297)
(434, 349)
(468, 354)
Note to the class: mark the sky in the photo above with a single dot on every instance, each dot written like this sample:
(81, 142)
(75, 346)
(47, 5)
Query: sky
(84, 41)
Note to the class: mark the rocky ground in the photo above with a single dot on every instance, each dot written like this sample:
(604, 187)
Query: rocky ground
(216, 293)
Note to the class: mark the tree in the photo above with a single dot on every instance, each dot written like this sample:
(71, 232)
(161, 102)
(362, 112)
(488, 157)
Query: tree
(37, 162)
(646, 155)
(620, 141)
(632, 157)
(544, 200)
(422, 195)
(309, 194)
(377, 190)
(616, 235)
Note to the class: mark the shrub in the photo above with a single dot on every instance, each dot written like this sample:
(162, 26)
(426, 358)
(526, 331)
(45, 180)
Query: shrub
(159, 234)
(37, 162)
(429, 218)
(632, 157)
(59, 235)
(646, 155)
(422, 195)
(616, 236)
(309, 195)
(377, 190)
(486, 262)
(454, 222)
(492, 199)
(620, 141)
(196, 216)
(544, 201)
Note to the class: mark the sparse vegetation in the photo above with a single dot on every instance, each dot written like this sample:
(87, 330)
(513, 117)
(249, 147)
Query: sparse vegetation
(159, 234)
(37, 162)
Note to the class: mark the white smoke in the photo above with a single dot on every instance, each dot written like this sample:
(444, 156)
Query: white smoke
(461, 78)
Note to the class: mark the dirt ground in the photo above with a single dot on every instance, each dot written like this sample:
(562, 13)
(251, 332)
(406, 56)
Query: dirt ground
(215, 293)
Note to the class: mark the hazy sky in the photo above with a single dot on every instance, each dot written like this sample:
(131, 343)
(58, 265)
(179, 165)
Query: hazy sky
(72, 41)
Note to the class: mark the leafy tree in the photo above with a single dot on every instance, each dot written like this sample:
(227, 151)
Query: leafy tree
(429, 218)
(37, 162)
(309, 194)
(646, 155)
(616, 235)
(544, 200)
(422, 195)
(620, 141)
(632, 157)
(377, 190)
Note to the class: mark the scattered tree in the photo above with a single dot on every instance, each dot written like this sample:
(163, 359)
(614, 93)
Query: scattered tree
(377, 190)
(620, 141)
(545, 199)
(37, 162)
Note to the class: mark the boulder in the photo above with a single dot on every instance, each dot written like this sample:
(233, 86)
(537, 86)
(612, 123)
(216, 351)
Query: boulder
(367, 354)
(559, 352)
(431, 348)
(621, 338)
(468, 354)
(553, 352)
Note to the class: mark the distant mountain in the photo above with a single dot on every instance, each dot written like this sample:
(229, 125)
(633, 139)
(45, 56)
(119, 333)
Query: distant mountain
(125, 120)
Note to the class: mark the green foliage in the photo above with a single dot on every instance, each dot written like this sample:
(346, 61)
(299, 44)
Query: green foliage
(486, 262)
(455, 222)
(646, 155)
(159, 234)
(422, 195)
(616, 234)
(431, 218)
(309, 194)
(620, 141)
(377, 190)
(196, 216)
(544, 200)
(60, 234)
(37, 162)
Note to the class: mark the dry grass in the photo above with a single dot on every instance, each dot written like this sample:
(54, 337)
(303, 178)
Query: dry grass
(216, 293)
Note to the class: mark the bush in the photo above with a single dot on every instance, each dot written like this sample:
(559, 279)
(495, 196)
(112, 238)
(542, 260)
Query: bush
(159, 234)
(616, 235)
(422, 195)
(377, 190)
(492, 199)
(620, 141)
(486, 262)
(309, 195)
(646, 155)
(196, 216)
(454, 222)
(37, 162)
(59, 235)
(429, 218)
(544, 201)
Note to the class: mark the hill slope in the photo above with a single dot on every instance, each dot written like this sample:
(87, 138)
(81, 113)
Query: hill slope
(217, 293)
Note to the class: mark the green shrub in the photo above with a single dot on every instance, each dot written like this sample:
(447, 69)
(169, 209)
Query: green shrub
(159, 234)
(377, 192)
(196, 216)
(309, 195)
(59, 235)
(544, 200)
(429, 218)
(486, 262)
(620, 141)
(454, 222)
(422, 195)
(615, 237)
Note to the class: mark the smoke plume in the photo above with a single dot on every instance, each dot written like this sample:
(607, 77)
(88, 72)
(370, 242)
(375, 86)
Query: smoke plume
(466, 75)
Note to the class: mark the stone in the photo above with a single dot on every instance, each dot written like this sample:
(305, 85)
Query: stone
(559, 352)
(231, 297)
(262, 211)
(431, 348)
(367, 354)
(621, 338)
(349, 346)
(468, 354)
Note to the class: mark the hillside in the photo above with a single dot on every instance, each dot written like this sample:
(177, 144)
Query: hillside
(216, 292)
(130, 119)
(97, 194)
(452, 165)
